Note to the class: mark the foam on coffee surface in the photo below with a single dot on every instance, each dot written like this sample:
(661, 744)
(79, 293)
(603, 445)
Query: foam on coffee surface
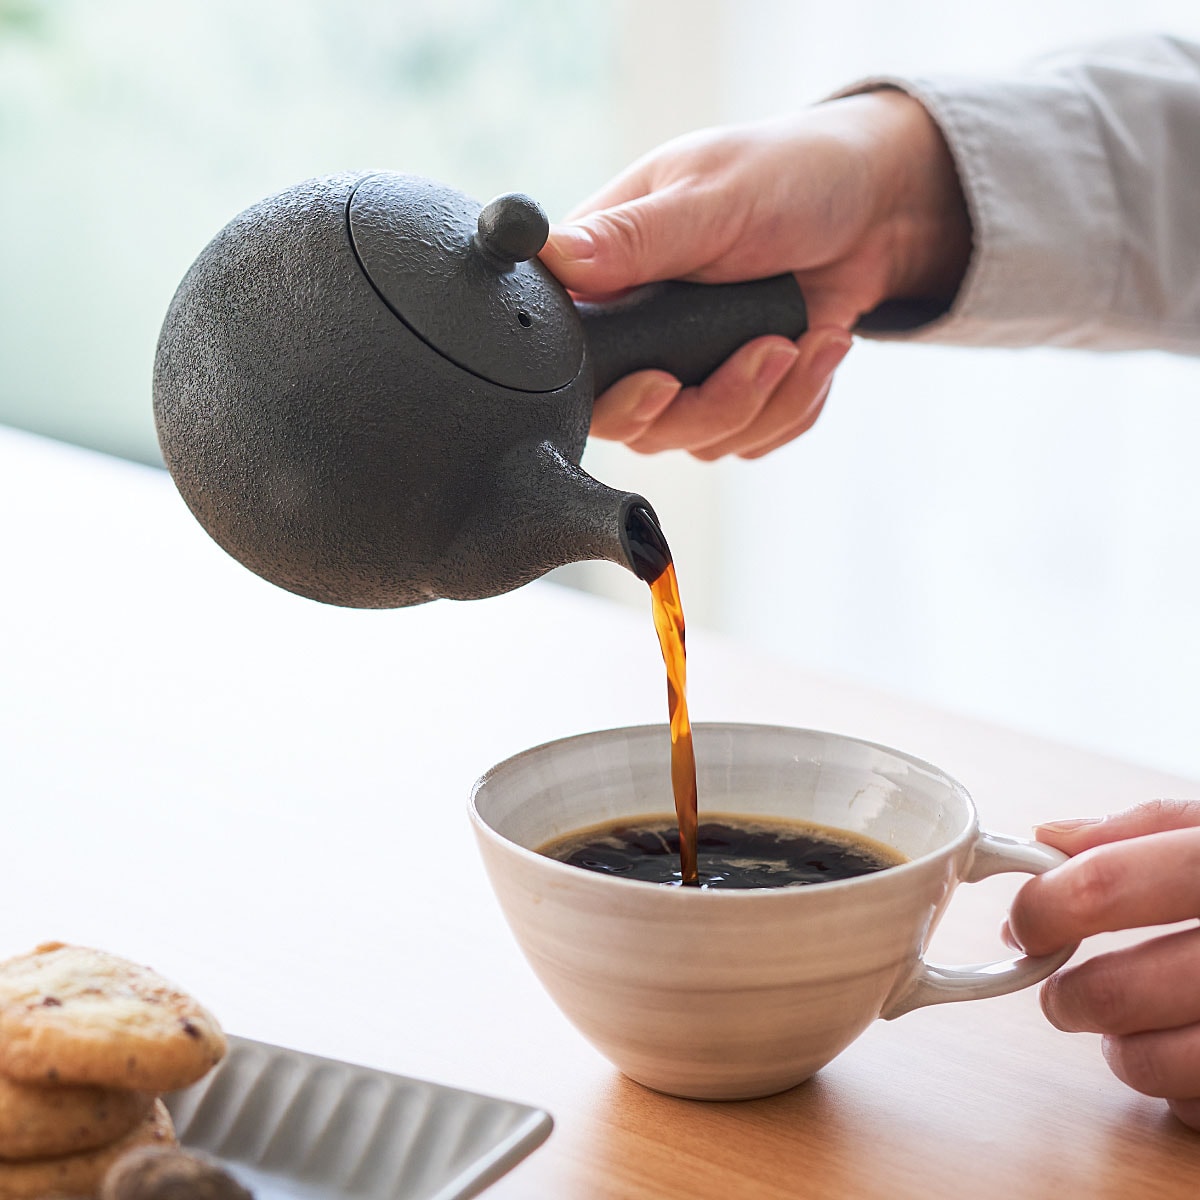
(732, 851)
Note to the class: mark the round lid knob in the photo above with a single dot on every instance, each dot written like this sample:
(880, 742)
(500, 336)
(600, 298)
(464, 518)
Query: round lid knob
(512, 229)
(467, 281)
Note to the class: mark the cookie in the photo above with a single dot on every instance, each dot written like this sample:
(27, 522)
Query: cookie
(156, 1173)
(73, 1015)
(41, 1120)
(81, 1174)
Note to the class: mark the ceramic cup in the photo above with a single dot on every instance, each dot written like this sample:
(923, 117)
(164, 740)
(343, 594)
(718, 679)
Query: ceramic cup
(727, 994)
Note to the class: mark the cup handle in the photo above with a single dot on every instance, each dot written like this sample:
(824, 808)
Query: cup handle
(934, 984)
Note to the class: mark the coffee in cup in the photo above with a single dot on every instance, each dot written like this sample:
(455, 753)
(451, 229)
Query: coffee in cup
(732, 851)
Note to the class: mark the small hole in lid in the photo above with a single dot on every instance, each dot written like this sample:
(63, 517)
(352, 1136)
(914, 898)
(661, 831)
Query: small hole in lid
(525, 319)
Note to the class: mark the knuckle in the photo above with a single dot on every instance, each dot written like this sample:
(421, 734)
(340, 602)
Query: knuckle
(1168, 812)
(1088, 888)
(1099, 994)
(1136, 1060)
(621, 228)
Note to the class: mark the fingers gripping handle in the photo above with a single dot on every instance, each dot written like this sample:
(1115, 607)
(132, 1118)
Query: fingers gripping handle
(933, 984)
(688, 329)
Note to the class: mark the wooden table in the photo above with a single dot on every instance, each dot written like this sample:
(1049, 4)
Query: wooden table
(265, 799)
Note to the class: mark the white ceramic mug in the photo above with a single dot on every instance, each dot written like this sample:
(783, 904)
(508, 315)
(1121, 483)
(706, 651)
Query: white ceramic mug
(727, 994)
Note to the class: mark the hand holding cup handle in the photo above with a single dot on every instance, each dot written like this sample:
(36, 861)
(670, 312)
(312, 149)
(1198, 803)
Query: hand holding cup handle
(932, 983)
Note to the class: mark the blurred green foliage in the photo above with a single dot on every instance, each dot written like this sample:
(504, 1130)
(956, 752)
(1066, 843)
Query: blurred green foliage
(132, 130)
(23, 17)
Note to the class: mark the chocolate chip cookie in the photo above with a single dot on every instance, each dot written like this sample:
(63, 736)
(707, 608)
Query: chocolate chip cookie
(71, 1015)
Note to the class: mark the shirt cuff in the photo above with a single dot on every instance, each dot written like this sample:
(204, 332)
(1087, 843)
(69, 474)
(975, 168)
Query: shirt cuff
(1030, 159)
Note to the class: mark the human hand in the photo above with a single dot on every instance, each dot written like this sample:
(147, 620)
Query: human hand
(858, 197)
(1129, 870)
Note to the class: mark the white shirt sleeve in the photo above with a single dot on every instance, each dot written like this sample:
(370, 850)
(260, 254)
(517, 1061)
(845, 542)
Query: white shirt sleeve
(1082, 178)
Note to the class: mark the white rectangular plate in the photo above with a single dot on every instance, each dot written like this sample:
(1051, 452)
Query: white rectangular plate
(292, 1126)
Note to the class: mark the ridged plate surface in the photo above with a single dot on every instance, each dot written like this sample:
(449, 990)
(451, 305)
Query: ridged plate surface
(291, 1125)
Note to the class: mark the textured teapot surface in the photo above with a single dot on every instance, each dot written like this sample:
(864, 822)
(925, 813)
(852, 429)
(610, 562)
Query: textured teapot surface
(506, 320)
(372, 394)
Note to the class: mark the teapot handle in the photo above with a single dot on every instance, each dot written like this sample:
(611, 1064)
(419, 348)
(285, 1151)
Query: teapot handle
(688, 329)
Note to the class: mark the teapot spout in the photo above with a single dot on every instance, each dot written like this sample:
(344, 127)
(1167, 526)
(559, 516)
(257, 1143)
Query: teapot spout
(543, 512)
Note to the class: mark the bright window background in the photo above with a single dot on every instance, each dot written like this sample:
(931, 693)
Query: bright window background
(1015, 534)
(132, 130)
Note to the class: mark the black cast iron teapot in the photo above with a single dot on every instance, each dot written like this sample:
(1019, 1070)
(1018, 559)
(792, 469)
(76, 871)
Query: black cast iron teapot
(372, 393)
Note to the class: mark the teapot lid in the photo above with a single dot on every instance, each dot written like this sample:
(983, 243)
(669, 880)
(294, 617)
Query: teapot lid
(467, 281)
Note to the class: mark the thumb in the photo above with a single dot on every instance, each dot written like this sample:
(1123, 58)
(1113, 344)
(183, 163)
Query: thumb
(651, 237)
(1152, 816)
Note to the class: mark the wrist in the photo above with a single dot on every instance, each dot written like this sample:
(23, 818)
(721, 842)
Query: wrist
(922, 208)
